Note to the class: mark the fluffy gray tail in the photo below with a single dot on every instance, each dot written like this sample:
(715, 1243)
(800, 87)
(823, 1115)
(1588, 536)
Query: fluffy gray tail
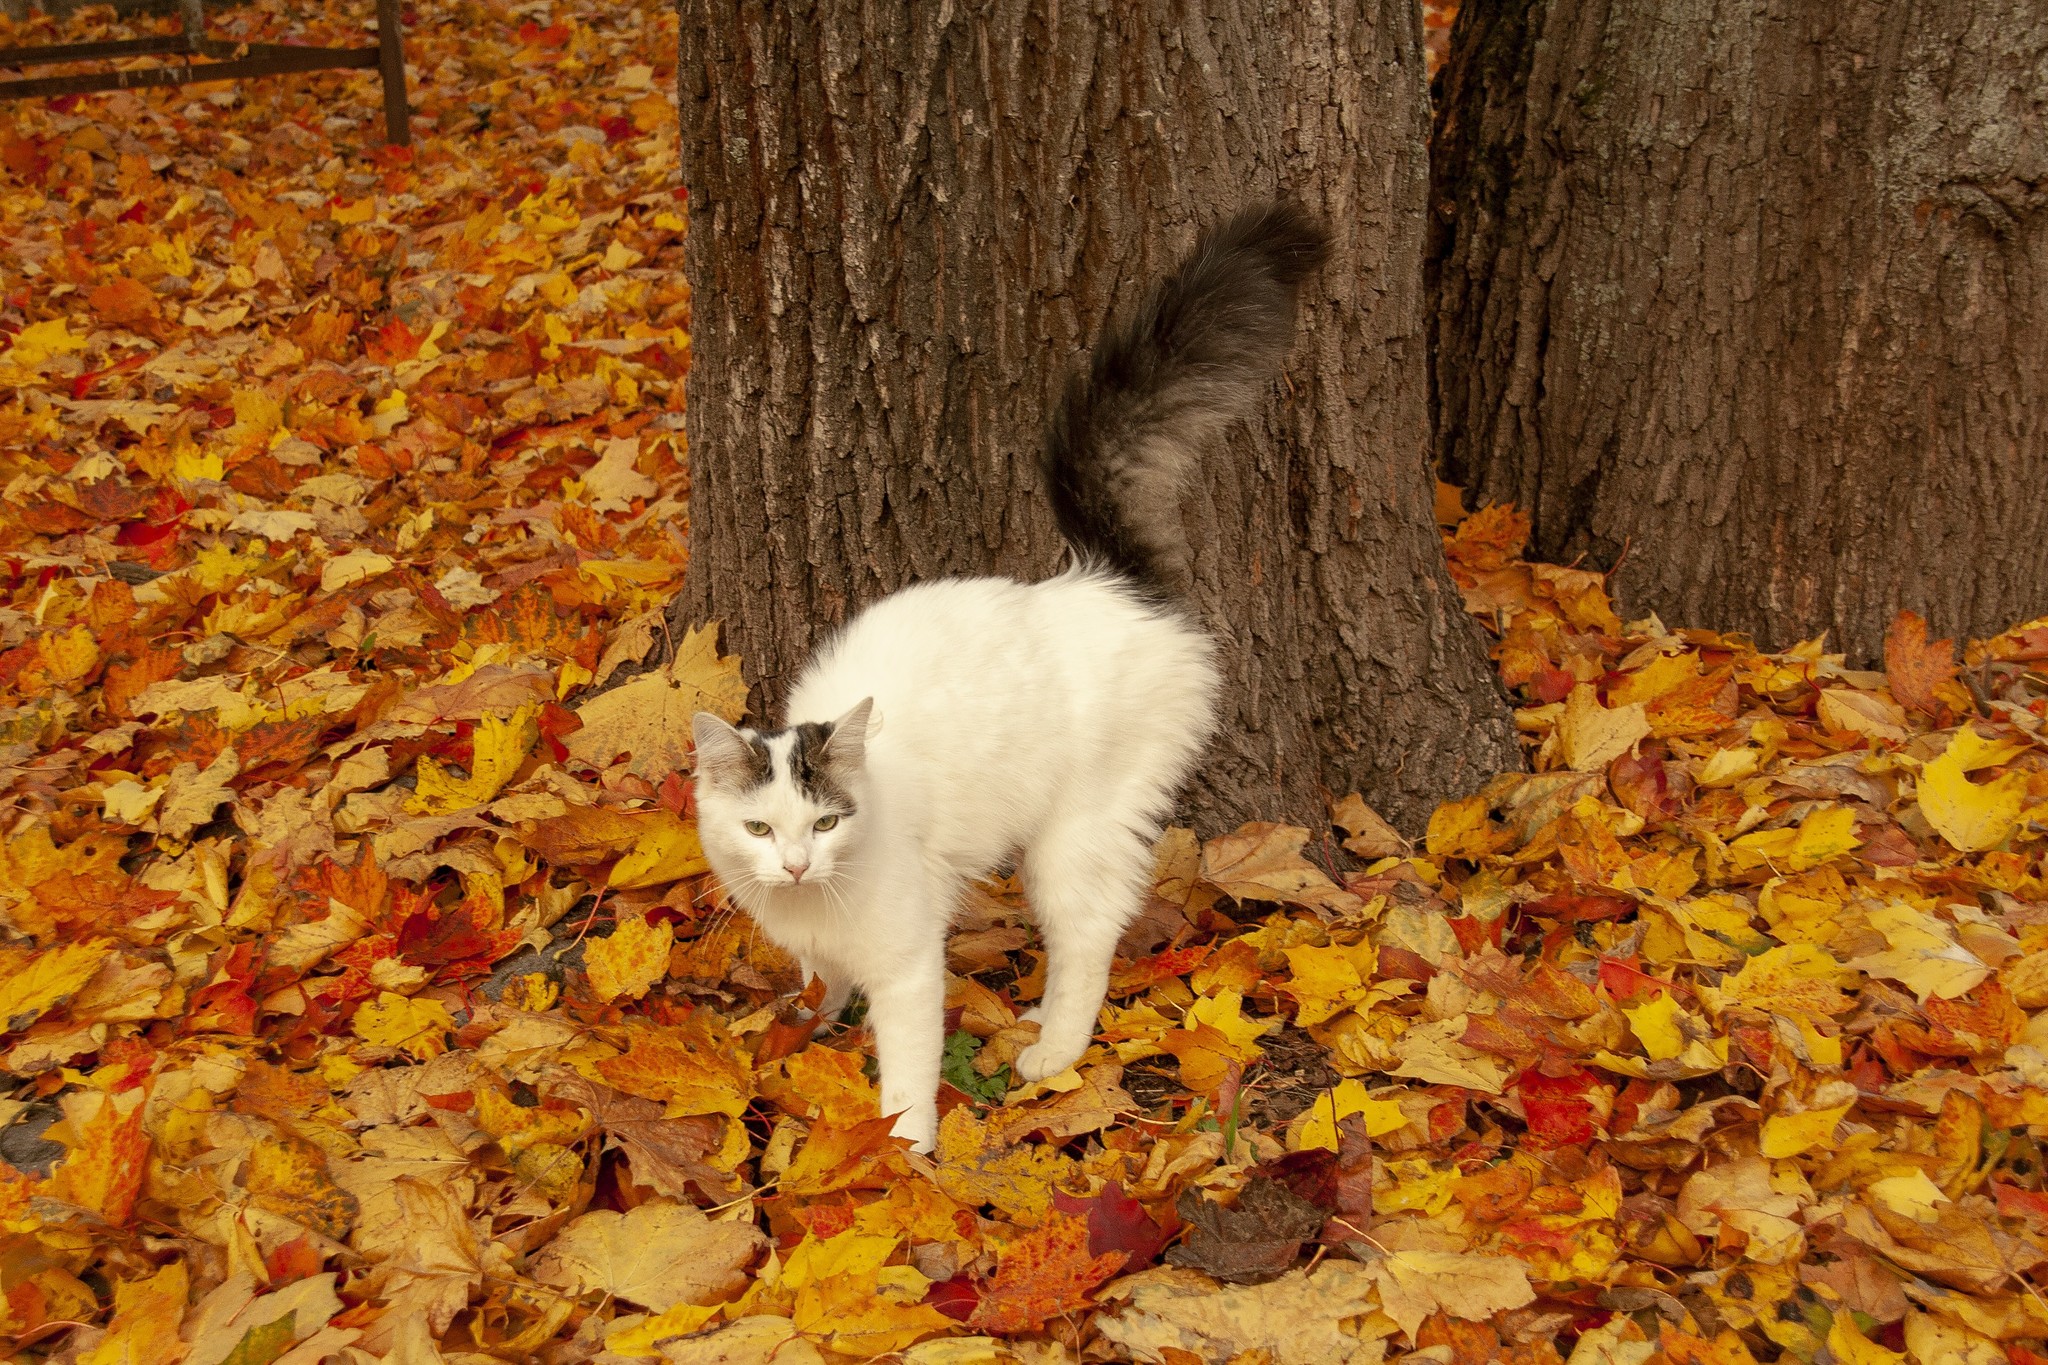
(1167, 382)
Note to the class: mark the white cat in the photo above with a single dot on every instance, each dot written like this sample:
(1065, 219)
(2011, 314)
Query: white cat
(958, 724)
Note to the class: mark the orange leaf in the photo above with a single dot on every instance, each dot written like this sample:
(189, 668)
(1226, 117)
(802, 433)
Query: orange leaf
(104, 1171)
(1044, 1273)
(1914, 665)
(146, 1317)
(860, 1155)
(123, 302)
(694, 1066)
(827, 1082)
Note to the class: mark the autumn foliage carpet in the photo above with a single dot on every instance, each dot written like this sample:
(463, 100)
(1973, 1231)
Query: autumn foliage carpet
(362, 1002)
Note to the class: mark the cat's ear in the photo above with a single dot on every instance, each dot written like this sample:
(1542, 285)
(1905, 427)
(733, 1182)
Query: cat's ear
(724, 757)
(848, 746)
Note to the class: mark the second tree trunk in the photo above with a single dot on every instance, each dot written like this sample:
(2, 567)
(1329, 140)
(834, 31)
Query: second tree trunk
(1753, 299)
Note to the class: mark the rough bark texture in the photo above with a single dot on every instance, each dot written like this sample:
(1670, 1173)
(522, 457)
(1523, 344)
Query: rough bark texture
(1752, 295)
(909, 219)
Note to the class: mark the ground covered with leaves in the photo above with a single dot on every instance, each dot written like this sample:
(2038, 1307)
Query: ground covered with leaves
(365, 998)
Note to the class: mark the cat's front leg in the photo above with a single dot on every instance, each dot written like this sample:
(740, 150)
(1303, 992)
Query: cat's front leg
(907, 1012)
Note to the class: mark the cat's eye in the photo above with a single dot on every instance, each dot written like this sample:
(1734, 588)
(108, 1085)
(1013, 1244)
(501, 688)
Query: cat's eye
(758, 828)
(825, 822)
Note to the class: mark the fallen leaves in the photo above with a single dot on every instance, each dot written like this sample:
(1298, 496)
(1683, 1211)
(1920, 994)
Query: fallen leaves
(1415, 1284)
(629, 960)
(1255, 1240)
(647, 720)
(657, 1256)
(1972, 816)
(1298, 1319)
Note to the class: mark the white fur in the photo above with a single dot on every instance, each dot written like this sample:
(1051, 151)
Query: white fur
(1051, 720)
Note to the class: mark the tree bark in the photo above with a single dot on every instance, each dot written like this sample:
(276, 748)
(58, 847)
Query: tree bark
(1751, 296)
(909, 220)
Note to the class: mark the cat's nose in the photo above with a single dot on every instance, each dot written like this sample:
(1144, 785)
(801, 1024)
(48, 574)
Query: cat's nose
(795, 870)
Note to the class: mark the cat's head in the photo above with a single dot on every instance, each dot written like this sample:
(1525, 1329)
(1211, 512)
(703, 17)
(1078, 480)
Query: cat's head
(782, 808)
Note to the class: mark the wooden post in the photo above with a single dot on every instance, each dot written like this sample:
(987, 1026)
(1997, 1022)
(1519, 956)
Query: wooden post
(391, 66)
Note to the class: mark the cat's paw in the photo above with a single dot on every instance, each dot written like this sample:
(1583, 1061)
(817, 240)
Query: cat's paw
(1047, 1057)
(919, 1123)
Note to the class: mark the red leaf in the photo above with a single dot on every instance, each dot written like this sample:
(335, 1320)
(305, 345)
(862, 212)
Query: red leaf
(957, 1298)
(295, 1260)
(1555, 1107)
(2014, 1202)
(1116, 1222)
(1624, 981)
(556, 723)
(1574, 907)
(450, 939)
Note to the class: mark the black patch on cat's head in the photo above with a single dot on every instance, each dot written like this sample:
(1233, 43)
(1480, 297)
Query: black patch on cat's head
(810, 768)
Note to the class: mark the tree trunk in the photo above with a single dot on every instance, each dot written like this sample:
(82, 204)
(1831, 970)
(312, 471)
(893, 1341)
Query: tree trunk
(909, 220)
(1751, 296)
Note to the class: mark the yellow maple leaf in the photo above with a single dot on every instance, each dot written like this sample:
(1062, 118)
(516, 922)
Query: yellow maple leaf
(1923, 954)
(290, 1177)
(1224, 1012)
(1591, 735)
(916, 1211)
(630, 961)
(1972, 816)
(1327, 981)
(1464, 829)
(1664, 674)
(1822, 836)
(418, 1026)
(68, 655)
(39, 341)
(518, 1126)
(649, 717)
(1319, 1126)
(1791, 978)
(46, 980)
(871, 1314)
(109, 1154)
(695, 1066)
(833, 1084)
(257, 415)
(976, 1168)
(1214, 1034)
(1910, 1196)
(501, 745)
(1414, 1284)
(1931, 1338)
(189, 463)
(1790, 1134)
(1433, 1052)
(1724, 767)
(639, 1338)
(1655, 1024)
(146, 1317)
